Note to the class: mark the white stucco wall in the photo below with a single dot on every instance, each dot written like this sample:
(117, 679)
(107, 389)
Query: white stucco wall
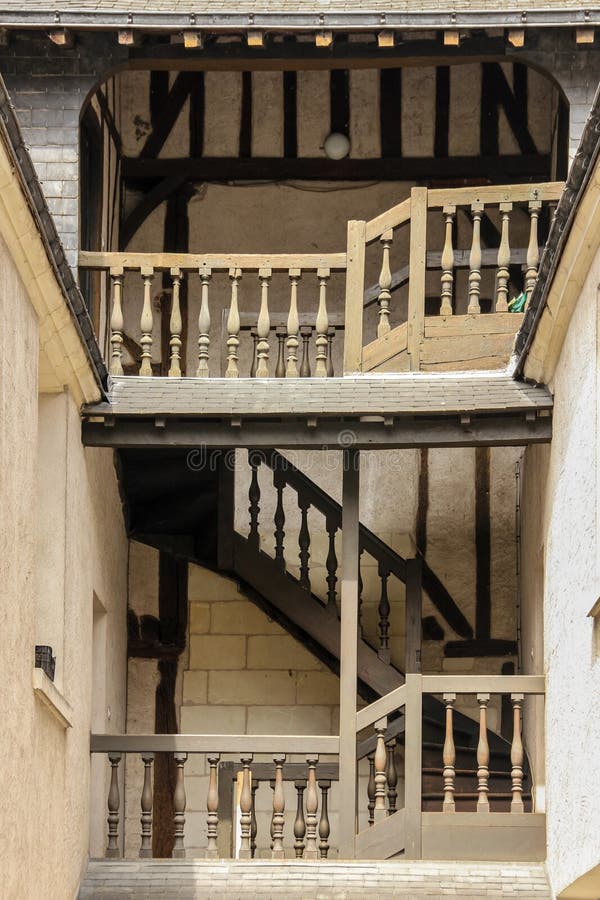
(560, 545)
(61, 543)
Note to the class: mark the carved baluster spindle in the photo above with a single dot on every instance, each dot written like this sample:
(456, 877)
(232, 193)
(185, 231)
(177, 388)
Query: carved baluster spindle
(475, 261)
(447, 263)
(204, 325)
(533, 250)
(331, 565)
(312, 805)
(254, 336)
(279, 518)
(116, 321)
(147, 322)
(233, 326)
(278, 809)
(392, 776)
(304, 543)
(212, 808)
(324, 826)
(299, 822)
(503, 272)
(380, 811)
(246, 809)
(175, 326)
(330, 337)
(264, 325)
(449, 755)
(371, 790)
(385, 283)
(322, 325)
(253, 822)
(516, 755)
(306, 334)
(280, 367)
(114, 802)
(146, 807)
(254, 498)
(384, 616)
(179, 804)
(483, 756)
(293, 325)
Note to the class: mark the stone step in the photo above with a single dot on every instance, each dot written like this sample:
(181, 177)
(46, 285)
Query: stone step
(320, 880)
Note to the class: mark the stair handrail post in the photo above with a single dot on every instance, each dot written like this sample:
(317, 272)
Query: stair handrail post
(418, 271)
(355, 288)
(413, 614)
(413, 765)
(349, 653)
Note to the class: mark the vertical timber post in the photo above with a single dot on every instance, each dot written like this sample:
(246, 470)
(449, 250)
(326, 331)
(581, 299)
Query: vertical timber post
(349, 652)
(412, 663)
(413, 766)
(416, 282)
(355, 290)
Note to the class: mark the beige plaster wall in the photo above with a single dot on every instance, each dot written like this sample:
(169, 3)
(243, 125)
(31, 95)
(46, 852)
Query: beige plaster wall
(560, 507)
(61, 543)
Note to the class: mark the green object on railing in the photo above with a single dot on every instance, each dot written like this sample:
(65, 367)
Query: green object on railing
(517, 304)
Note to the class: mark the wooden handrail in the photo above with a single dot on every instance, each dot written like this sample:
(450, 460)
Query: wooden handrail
(214, 743)
(391, 218)
(91, 259)
(392, 702)
(494, 194)
(491, 684)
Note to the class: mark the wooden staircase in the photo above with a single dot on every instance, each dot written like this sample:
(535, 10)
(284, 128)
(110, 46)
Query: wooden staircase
(187, 510)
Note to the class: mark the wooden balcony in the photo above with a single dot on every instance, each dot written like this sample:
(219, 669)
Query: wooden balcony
(425, 286)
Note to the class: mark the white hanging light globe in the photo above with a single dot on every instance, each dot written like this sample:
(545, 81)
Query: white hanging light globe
(336, 146)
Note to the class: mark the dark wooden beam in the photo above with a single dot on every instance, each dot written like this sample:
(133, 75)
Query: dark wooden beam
(480, 647)
(507, 430)
(390, 113)
(148, 203)
(245, 142)
(483, 546)
(442, 111)
(339, 93)
(492, 169)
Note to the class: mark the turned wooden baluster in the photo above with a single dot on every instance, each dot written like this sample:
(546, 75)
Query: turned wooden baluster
(371, 790)
(147, 322)
(447, 278)
(204, 325)
(293, 325)
(264, 325)
(233, 326)
(304, 544)
(392, 776)
(254, 498)
(380, 811)
(278, 809)
(533, 250)
(312, 805)
(279, 518)
(179, 804)
(253, 823)
(212, 808)
(449, 755)
(503, 273)
(280, 367)
(383, 611)
(306, 334)
(254, 337)
(299, 822)
(146, 806)
(331, 565)
(246, 809)
(483, 756)
(175, 327)
(475, 261)
(114, 802)
(116, 321)
(322, 325)
(385, 283)
(330, 337)
(516, 755)
(324, 826)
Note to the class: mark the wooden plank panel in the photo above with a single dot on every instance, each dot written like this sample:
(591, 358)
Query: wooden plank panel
(458, 326)
(514, 837)
(384, 839)
(385, 348)
(466, 347)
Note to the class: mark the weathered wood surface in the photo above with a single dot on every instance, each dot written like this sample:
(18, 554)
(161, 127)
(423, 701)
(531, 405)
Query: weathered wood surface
(213, 743)
(383, 840)
(471, 836)
(193, 262)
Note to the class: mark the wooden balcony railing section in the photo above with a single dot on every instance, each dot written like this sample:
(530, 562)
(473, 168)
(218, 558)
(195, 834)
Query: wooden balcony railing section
(394, 819)
(422, 228)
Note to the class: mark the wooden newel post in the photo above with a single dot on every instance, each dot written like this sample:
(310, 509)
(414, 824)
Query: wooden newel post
(414, 608)
(114, 802)
(418, 271)
(349, 652)
(179, 803)
(355, 288)
(413, 765)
